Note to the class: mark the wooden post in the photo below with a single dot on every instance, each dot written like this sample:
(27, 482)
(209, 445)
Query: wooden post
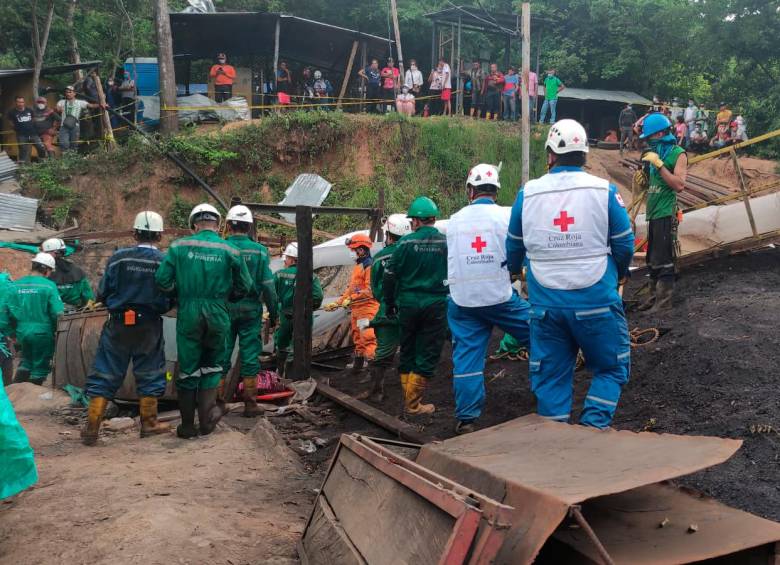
(363, 65)
(302, 313)
(394, 10)
(345, 82)
(525, 117)
(459, 103)
(276, 55)
(433, 45)
(745, 195)
(169, 122)
(108, 133)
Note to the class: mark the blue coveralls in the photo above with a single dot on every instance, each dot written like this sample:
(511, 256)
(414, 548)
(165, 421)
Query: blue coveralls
(128, 284)
(591, 319)
(471, 328)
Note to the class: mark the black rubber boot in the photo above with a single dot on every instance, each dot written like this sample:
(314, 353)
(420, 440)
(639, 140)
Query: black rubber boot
(648, 302)
(377, 391)
(22, 375)
(209, 414)
(281, 363)
(187, 399)
(664, 295)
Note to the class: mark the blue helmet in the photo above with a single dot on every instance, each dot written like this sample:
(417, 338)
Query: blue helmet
(653, 124)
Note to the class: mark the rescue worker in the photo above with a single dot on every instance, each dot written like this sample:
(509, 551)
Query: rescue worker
(415, 291)
(284, 282)
(204, 273)
(386, 329)
(133, 331)
(576, 235)
(71, 280)
(668, 168)
(481, 292)
(30, 311)
(246, 316)
(359, 298)
(6, 356)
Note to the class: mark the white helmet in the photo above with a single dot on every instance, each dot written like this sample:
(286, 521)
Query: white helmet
(205, 212)
(291, 250)
(317, 75)
(239, 214)
(398, 224)
(567, 136)
(148, 221)
(484, 174)
(52, 245)
(45, 259)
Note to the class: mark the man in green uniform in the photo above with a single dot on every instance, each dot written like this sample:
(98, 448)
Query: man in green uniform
(71, 280)
(414, 289)
(284, 282)
(30, 311)
(668, 168)
(387, 330)
(204, 273)
(246, 316)
(6, 357)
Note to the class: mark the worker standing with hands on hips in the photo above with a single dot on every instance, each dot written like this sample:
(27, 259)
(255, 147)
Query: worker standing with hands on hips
(284, 282)
(387, 330)
(668, 169)
(573, 229)
(481, 293)
(30, 310)
(360, 300)
(204, 273)
(246, 316)
(223, 76)
(133, 331)
(71, 280)
(415, 291)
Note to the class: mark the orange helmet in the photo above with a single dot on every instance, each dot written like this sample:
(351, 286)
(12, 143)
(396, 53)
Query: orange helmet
(359, 240)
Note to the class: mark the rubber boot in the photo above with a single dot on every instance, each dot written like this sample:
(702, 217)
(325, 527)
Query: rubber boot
(404, 386)
(488, 116)
(91, 430)
(281, 363)
(377, 391)
(22, 375)
(149, 424)
(209, 414)
(415, 387)
(251, 409)
(464, 427)
(664, 294)
(358, 369)
(472, 111)
(650, 300)
(187, 401)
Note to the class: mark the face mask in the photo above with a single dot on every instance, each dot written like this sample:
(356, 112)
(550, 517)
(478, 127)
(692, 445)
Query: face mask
(222, 61)
(550, 74)
(414, 67)
(690, 104)
(40, 106)
(656, 143)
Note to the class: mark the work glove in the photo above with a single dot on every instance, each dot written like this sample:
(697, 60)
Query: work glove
(331, 306)
(653, 158)
(363, 324)
(391, 311)
(345, 303)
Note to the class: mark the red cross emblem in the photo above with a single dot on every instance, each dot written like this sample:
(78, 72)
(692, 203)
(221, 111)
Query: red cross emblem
(489, 174)
(478, 244)
(576, 140)
(563, 221)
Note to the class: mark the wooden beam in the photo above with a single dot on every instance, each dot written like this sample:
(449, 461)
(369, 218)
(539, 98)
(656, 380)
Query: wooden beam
(302, 313)
(741, 144)
(108, 133)
(743, 190)
(285, 223)
(169, 120)
(399, 51)
(348, 73)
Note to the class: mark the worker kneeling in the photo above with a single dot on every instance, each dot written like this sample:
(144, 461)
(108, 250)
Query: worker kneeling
(360, 300)
(481, 292)
(574, 230)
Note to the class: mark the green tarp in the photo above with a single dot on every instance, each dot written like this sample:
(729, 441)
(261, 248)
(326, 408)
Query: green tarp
(17, 465)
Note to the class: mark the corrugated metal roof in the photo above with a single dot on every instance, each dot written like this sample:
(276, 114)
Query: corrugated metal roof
(622, 96)
(307, 190)
(17, 212)
(8, 168)
(55, 70)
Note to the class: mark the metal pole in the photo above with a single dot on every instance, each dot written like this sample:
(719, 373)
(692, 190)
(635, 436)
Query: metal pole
(525, 118)
(459, 104)
(745, 195)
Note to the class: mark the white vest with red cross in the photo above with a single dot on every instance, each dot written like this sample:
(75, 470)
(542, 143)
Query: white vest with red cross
(476, 256)
(566, 229)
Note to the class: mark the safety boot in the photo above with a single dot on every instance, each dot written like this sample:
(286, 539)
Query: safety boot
(281, 363)
(648, 302)
(251, 409)
(187, 399)
(488, 116)
(415, 387)
(464, 427)
(149, 425)
(22, 375)
(377, 391)
(664, 295)
(209, 414)
(91, 430)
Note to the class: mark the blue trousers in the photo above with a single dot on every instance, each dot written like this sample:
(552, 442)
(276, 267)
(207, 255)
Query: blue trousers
(119, 344)
(552, 105)
(556, 335)
(471, 330)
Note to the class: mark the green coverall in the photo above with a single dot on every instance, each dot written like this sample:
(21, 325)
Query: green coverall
(72, 283)
(204, 273)
(30, 310)
(414, 281)
(19, 470)
(246, 316)
(5, 285)
(285, 291)
(387, 331)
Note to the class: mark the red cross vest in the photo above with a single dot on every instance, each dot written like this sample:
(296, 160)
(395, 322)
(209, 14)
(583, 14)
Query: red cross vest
(566, 229)
(476, 255)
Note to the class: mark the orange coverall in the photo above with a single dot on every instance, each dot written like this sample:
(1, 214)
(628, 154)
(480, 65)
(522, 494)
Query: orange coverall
(363, 305)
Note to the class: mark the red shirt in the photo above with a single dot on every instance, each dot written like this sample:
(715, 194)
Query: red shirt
(388, 82)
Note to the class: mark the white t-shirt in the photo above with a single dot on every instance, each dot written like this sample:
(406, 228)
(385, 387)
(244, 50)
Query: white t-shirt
(409, 97)
(73, 107)
(447, 76)
(413, 78)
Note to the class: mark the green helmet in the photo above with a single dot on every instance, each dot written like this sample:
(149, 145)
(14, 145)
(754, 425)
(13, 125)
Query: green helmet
(423, 207)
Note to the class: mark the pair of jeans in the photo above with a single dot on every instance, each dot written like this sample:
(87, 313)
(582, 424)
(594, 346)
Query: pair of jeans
(69, 138)
(26, 142)
(510, 107)
(552, 106)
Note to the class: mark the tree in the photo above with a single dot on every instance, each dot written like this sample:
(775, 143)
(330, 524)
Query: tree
(39, 37)
(74, 57)
(169, 122)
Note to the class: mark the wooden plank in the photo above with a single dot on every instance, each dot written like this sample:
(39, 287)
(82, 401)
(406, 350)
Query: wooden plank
(374, 415)
(746, 198)
(325, 540)
(108, 133)
(302, 313)
(347, 74)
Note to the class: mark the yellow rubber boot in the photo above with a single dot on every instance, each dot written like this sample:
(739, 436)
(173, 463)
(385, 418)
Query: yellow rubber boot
(149, 424)
(251, 409)
(488, 116)
(415, 387)
(91, 430)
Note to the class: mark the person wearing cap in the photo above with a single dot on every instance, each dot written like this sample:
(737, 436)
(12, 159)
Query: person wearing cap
(204, 273)
(71, 110)
(481, 292)
(71, 280)
(414, 289)
(23, 120)
(246, 316)
(46, 122)
(360, 300)
(133, 331)
(573, 231)
(284, 283)
(223, 76)
(29, 312)
(667, 167)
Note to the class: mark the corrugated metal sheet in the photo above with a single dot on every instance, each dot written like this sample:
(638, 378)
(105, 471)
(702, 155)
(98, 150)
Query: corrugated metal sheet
(307, 190)
(8, 168)
(17, 212)
(622, 96)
